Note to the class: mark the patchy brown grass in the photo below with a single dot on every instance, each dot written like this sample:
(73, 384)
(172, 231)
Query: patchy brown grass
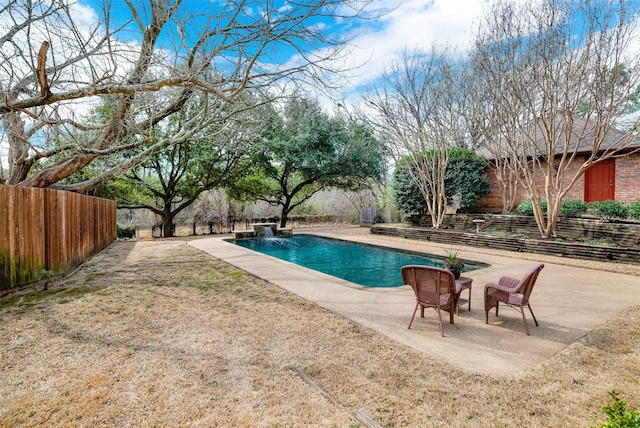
(155, 333)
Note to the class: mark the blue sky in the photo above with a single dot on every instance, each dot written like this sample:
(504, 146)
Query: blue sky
(409, 24)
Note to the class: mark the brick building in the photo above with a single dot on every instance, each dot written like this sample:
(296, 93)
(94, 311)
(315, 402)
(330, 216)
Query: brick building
(617, 178)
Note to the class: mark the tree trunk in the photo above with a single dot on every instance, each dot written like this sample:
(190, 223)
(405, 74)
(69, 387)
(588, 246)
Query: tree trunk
(167, 221)
(546, 223)
(284, 216)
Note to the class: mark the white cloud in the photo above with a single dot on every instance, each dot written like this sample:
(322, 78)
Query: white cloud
(84, 15)
(415, 24)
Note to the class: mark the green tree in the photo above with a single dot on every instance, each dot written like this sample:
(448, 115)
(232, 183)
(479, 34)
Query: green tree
(303, 151)
(173, 179)
(406, 191)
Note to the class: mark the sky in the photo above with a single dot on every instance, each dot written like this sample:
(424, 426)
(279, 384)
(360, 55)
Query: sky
(414, 24)
(409, 24)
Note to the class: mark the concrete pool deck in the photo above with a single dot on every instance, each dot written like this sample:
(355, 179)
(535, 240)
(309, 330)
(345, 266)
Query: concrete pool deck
(568, 303)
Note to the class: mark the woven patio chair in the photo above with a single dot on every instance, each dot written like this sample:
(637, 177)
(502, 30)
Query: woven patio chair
(433, 287)
(512, 292)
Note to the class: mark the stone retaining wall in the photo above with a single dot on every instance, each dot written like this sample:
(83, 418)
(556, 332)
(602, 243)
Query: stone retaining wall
(622, 234)
(561, 249)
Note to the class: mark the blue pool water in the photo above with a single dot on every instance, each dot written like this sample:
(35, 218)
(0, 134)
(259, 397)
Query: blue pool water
(368, 265)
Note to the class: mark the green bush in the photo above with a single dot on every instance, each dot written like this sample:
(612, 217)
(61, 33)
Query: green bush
(406, 191)
(609, 209)
(126, 232)
(526, 207)
(634, 210)
(466, 175)
(573, 207)
(618, 416)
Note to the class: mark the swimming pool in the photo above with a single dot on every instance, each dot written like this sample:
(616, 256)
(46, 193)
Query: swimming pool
(364, 264)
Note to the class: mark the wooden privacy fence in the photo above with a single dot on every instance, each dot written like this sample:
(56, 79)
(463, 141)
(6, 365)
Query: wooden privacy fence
(51, 230)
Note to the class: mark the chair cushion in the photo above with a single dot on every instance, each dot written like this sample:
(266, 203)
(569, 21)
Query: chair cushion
(444, 299)
(515, 299)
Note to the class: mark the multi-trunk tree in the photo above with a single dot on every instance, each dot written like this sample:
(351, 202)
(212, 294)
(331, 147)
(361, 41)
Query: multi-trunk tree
(553, 79)
(465, 180)
(416, 111)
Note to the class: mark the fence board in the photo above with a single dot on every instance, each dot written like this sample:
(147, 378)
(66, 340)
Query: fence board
(49, 229)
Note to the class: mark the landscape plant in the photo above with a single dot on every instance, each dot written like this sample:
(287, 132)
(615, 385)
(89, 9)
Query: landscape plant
(453, 262)
(634, 210)
(415, 110)
(465, 175)
(151, 58)
(609, 209)
(618, 414)
(172, 179)
(126, 232)
(406, 191)
(526, 207)
(553, 79)
(573, 207)
(303, 150)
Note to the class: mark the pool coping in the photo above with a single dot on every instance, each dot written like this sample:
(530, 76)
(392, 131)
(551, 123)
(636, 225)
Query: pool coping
(568, 303)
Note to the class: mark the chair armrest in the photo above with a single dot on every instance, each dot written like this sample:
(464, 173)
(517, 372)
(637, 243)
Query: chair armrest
(506, 284)
(509, 283)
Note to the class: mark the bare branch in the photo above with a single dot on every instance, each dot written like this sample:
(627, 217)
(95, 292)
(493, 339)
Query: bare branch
(553, 81)
(227, 49)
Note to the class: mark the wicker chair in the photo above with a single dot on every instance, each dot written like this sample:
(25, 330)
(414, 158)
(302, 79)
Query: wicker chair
(512, 292)
(433, 287)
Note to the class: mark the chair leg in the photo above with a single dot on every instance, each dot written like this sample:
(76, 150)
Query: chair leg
(414, 314)
(526, 326)
(452, 309)
(534, 317)
(440, 319)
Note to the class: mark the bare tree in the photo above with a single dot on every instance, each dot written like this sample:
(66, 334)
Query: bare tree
(53, 66)
(416, 114)
(555, 77)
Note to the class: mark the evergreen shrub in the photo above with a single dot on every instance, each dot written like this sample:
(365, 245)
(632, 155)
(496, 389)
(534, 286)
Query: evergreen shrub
(526, 207)
(634, 209)
(573, 207)
(466, 175)
(126, 232)
(609, 209)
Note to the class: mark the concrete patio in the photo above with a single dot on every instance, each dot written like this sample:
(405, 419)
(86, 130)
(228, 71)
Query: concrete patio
(568, 303)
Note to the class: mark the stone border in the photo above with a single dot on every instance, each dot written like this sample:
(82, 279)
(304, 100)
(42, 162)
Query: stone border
(622, 233)
(560, 249)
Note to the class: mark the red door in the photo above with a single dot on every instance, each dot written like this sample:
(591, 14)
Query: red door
(600, 181)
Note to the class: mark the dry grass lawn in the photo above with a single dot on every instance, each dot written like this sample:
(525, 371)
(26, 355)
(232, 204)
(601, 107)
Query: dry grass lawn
(155, 333)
